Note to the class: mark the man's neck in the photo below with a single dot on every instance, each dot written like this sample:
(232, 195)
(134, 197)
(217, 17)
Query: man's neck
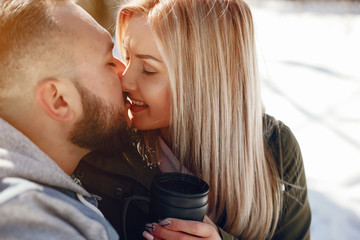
(65, 154)
(67, 157)
(53, 141)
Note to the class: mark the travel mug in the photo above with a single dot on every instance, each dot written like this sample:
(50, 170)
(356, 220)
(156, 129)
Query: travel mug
(175, 195)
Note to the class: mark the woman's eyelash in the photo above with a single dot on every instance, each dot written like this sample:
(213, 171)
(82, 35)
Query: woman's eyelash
(148, 73)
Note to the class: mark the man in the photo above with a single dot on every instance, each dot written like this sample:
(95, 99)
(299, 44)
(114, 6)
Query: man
(60, 98)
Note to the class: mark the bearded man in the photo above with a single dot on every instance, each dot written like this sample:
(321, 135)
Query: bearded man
(60, 98)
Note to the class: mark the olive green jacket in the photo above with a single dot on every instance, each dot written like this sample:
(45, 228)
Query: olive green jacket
(116, 178)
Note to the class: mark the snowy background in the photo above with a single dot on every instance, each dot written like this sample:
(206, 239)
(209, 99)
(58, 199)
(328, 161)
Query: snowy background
(310, 66)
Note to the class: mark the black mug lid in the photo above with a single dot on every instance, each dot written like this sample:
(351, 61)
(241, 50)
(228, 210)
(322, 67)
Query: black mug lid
(179, 189)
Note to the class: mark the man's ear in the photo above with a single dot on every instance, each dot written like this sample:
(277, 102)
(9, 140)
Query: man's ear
(50, 95)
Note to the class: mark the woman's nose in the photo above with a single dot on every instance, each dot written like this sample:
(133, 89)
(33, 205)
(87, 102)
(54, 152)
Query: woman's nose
(128, 80)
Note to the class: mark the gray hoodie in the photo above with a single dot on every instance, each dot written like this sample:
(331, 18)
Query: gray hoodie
(38, 200)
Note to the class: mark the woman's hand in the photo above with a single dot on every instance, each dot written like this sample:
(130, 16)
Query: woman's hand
(173, 229)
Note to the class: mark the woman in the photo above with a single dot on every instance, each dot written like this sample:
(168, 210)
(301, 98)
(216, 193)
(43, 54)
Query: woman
(194, 94)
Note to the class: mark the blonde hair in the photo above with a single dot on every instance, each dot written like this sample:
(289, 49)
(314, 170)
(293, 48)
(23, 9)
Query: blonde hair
(217, 116)
(30, 46)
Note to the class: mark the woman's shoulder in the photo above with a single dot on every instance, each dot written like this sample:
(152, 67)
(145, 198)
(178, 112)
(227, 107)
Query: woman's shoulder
(284, 147)
(294, 222)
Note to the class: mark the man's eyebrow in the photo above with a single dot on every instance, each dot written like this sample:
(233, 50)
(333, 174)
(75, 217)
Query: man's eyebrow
(145, 56)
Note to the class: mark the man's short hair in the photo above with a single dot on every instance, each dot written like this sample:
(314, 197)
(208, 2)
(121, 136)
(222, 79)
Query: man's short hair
(30, 45)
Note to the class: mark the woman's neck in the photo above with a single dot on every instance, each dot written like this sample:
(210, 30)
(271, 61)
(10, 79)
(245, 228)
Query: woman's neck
(165, 135)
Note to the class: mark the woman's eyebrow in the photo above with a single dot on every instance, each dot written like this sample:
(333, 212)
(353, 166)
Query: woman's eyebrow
(145, 56)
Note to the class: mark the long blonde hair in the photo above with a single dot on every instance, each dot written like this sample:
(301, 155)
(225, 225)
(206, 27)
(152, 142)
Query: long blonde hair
(217, 116)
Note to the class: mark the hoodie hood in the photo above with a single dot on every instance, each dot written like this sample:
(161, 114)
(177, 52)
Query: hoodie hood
(21, 158)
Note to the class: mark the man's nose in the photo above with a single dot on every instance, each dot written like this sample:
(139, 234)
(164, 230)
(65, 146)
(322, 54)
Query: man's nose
(120, 67)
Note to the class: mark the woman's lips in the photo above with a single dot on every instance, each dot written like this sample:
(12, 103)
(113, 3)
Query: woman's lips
(136, 105)
(137, 108)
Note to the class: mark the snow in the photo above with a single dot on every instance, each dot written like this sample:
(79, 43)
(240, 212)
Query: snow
(309, 56)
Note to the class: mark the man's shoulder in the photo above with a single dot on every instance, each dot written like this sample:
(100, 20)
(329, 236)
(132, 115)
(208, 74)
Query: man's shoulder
(14, 190)
(11, 187)
(25, 204)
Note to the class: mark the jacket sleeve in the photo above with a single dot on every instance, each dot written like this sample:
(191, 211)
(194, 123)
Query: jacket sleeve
(226, 236)
(295, 218)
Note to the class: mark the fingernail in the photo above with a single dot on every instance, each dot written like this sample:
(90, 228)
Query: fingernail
(150, 227)
(147, 235)
(165, 222)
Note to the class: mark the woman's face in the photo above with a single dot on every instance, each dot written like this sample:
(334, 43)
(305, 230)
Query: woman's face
(145, 79)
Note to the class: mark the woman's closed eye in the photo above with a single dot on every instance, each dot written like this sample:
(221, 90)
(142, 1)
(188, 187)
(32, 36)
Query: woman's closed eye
(147, 69)
(147, 72)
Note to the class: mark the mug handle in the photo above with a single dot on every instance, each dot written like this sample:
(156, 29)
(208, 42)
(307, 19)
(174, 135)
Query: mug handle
(127, 202)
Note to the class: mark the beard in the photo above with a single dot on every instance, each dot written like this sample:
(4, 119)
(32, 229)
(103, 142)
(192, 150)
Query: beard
(103, 127)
